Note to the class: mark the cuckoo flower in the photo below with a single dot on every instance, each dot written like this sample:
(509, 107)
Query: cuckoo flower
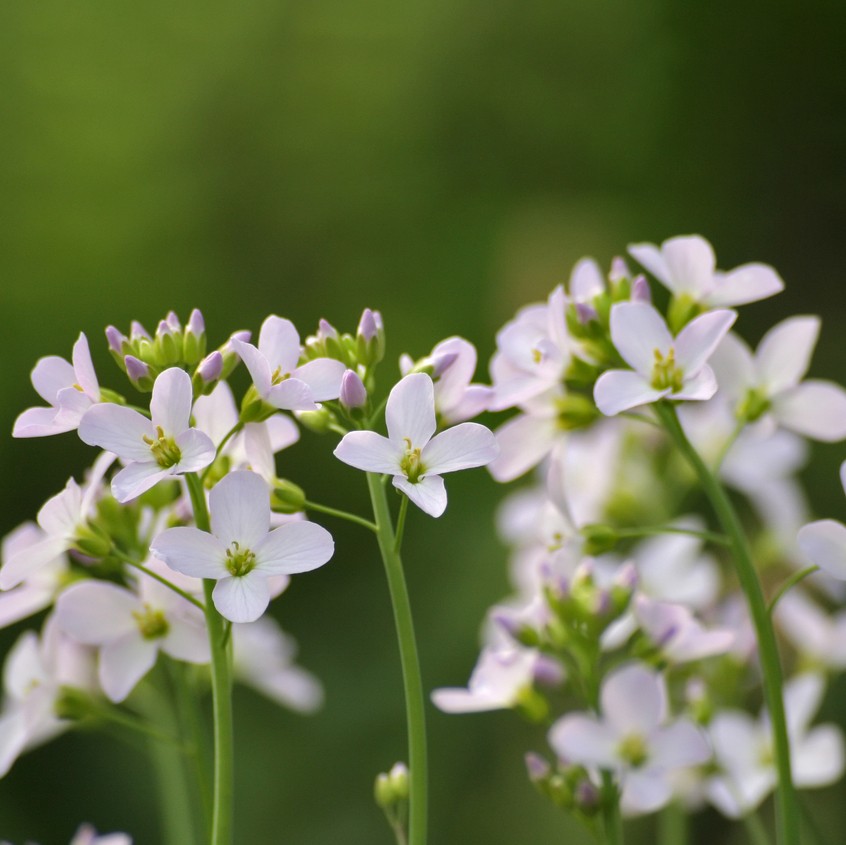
(153, 449)
(410, 453)
(663, 366)
(240, 553)
(69, 388)
(633, 737)
(276, 376)
(686, 266)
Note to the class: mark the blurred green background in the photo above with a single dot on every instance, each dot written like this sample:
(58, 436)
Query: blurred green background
(444, 162)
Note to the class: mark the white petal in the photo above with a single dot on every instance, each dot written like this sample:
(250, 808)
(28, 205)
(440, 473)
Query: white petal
(191, 552)
(410, 412)
(784, 353)
(586, 281)
(678, 744)
(429, 494)
(197, 451)
(72, 406)
(323, 376)
(524, 441)
(22, 603)
(452, 383)
(283, 432)
(700, 337)
(240, 509)
(747, 283)
(294, 547)
(170, 406)
(83, 368)
(461, 447)
(60, 514)
(650, 257)
(637, 331)
(459, 700)
(645, 791)
(616, 391)
(50, 375)
(186, 641)
(816, 409)
(40, 422)
(734, 366)
(634, 699)
(137, 478)
(279, 343)
(292, 394)
(241, 599)
(124, 662)
(96, 612)
(690, 263)
(582, 739)
(28, 561)
(216, 413)
(117, 429)
(369, 451)
(256, 363)
(699, 388)
(824, 544)
(13, 738)
(803, 695)
(818, 759)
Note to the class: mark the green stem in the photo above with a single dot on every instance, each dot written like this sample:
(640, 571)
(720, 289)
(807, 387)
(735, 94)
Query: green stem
(755, 829)
(226, 438)
(789, 583)
(403, 512)
(708, 536)
(786, 802)
(672, 825)
(412, 681)
(162, 580)
(612, 821)
(349, 517)
(221, 690)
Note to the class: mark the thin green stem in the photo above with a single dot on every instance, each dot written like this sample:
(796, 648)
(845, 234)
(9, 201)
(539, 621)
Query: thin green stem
(403, 512)
(349, 517)
(787, 809)
(412, 681)
(132, 723)
(726, 447)
(755, 829)
(161, 579)
(708, 536)
(221, 690)
(789, 583)
(612, 821)
(226, 438)
(672, 825)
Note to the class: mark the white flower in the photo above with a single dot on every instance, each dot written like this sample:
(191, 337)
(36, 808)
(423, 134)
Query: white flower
(69, 389)
(410, 453)
(743, 749)
(823, 541)
(633, 738)
(240, 553)
(153, 449)
(662, 366)
(687, 267)
(87, 835)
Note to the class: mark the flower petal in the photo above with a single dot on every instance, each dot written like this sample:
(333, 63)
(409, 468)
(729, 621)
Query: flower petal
(83, 368)
(690, 264)
(191, 552)
(616, 391)
(124, 662)
(279, 343)
(323, 376)
(241, 599)
(461, 447)
(292, 394)
(410, 412)
(818, 759)
(524, 441)
(40, 422)
(634, 700)
(96, 612)
(678, 744)
(50, 375)
(187, 641)
(137, 478)
(644, 791)
(117, 429)
(638, 330)
(650, 257)
(28, 561)
(197, 451)
(170, 406)
(824, 543)
(294, 547)
(429, 494)
(240, 509)
(699, 388)
(582, 739)
(256, 363)
(784, 353)
(816, 409)
(697, 341)
(369, 451)
(747, 283)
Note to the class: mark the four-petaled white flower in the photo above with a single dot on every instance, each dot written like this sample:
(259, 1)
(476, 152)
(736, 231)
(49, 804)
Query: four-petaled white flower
(276, 376)
(153, 448)
(410, 453)
(240, 553)
(70, 390)
(686, 266)
(633, 738)
(662, 366)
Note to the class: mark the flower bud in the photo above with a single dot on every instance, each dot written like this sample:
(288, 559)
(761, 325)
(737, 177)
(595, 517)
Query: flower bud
(599, 539)
(116, 340)
(536, 767)
(641, 291)
(194, 338)
(167, 346)
(91, 542)
(287, 497)
(353, 391)
(370, 338)
(576, 411)
(319, 421)
(140, 374)
(208, 372)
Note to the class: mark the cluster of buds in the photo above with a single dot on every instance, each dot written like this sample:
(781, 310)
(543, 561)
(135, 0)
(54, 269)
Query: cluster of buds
(391, 794)
(568, 787)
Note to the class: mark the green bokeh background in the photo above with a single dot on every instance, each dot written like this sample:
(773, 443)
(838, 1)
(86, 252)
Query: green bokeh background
(444, 162)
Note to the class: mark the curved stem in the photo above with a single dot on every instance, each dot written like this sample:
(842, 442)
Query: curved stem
(789, 583)
(226, 438)
(708, 536)
(412, 681)
(161, 579)
(349, 517)
(786, 802)
(221, 690)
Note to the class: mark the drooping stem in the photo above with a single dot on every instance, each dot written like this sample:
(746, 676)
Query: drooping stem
(659, 530)
(789, 584)
(221, 691)
(412, 681)
(787, 808)
(349, 517)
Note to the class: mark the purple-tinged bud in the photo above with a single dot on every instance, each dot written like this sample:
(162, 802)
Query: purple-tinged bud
(167, 347)
(441, 363)
(536, 767)
(116, 339)
(586, 313)
(196, 323)
(137, 331)
(587, 796)
(194, 338)
(641, 292)
(505, 620)
(353, 391)
(173, 321)
(619, 270)
(667, 635)
(547, 671)
(326, 329)
(626, 577)
(367, 327)
(242, 334)
(370, 338)
(603, 604)
(211, 367)
(163, 328)
(139, 373)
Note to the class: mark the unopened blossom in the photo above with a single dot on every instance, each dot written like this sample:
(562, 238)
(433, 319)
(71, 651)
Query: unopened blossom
(744, 752)
(87, 835)
(130, 629)
(501, 678)
(768, 385)
(410, 453)
(240, 553)
(686, 266)
(823, 542)
(633, 737)
(276, 376)
(153, 449)
(662, 366)
(69, 389)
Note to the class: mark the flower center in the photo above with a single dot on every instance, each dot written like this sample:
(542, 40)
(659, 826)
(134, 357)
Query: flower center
(239, 561)
(666, 373)
(753, 405)
(151, 623)
(411, 464)
(278, 376)
(164, 449)
(632, 750)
